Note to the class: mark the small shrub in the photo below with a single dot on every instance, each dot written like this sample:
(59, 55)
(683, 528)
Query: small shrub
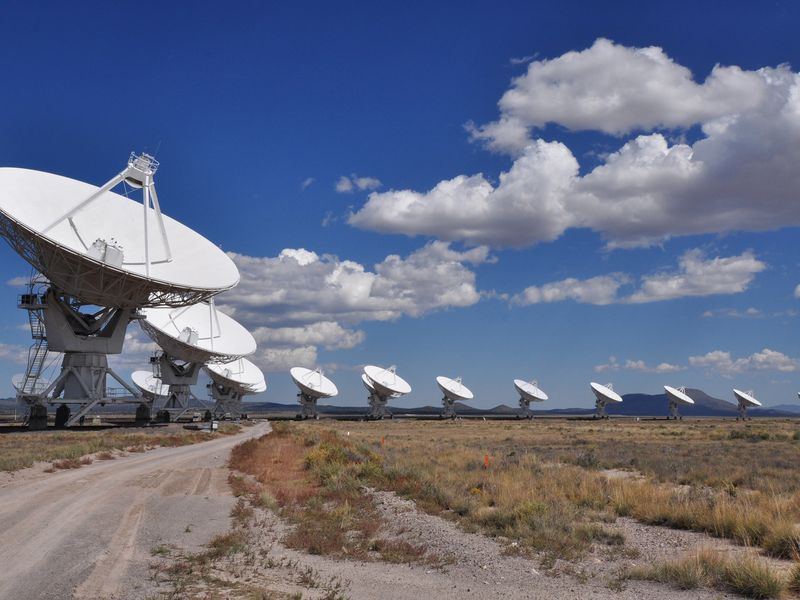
(226, 544)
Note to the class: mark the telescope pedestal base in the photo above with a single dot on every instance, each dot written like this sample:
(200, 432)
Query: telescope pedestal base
(525, 411)
(143, 414)
(228, 402)
(37, 417)
(378, 407)
(600, 410)
(308, 406)
(674, 413)
(742, 412)
(448, 408)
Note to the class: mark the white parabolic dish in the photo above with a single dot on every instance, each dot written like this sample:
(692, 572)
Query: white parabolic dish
(198, 333)
(367, 383)
(602, 392)
(150, 385)
(240, 374)
(18, 381)
(529, 391)
(31, 201)
(454, 389)
(313, 382)
(746, 398)
(386, 382)
(677, 395)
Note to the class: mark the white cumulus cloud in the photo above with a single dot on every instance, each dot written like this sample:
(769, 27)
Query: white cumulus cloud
(345, 184)
(740, 175)
(299, 301)
(596, 290)
(766, 360)
(696, 276)
(637, 365)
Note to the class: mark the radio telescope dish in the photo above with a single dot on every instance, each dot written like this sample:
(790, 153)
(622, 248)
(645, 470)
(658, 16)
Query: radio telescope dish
(387, 381)
(745, 401)
(198, 333)
(240, 374)
(190, 337)
(151, 386)
(603, 395)
(454, 391)
(367, 383)
(230, 382)
(382, 385)
(528, 392)
(313, 385)
(18, 382)
(676, 397)
(104, 248)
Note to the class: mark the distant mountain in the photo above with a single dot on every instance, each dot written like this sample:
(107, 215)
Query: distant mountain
(787, 408)
(657, 405)
(634, 405)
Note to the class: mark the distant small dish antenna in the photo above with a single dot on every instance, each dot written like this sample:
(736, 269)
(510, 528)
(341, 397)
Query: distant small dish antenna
(604, 394)
(745, 401)
(454, 391)
(230, 382)
(528, 392)
(676, 397)
(383, 384)
(313, 386)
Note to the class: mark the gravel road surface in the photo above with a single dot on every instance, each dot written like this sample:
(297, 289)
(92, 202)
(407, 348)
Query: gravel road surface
(90, 533)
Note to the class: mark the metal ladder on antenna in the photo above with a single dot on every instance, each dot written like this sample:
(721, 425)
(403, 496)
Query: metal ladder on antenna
(37, 353)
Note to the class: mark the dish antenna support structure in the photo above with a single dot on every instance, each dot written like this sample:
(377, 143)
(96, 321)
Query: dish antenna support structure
(313, 386)
(676, 397)
(604, 394)
(191, 337)
(382, 384)
(84, 305)
(453, 391)
(745, 400)
(528, 392)
(230, 382)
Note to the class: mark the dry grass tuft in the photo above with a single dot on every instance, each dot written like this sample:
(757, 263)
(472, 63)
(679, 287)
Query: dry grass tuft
(746, 575)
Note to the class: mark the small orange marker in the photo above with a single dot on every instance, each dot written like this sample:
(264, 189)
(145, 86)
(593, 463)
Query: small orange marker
(485, 461)
(383, 441)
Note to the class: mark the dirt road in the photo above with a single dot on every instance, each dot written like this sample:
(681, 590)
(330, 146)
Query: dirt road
(90, 533)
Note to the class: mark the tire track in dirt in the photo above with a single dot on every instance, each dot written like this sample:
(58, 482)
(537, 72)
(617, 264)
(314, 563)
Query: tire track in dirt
(92, 530)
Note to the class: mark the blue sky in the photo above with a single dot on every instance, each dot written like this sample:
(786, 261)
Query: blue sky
(677, 257)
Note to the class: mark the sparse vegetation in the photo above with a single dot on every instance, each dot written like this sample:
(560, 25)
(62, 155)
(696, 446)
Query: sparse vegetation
(546, 486)
(71, 449)
(743, 574)
(317, 482)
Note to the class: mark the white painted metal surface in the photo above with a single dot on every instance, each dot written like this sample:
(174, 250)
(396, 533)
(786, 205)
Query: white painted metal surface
(454, 389)
(313, 382)
(529, 391)
(151, 386)
(678, 395)
(386, 381)
(105, 248)
(240, 374)
(198, 333)
(746, 398)
(605, 393)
